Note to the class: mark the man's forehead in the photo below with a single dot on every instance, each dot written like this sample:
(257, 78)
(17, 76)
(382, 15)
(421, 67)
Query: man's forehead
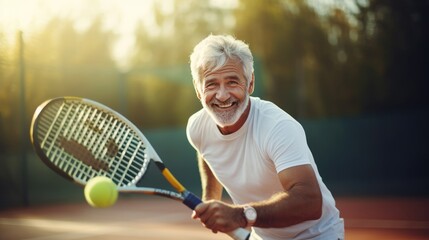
(231, 66)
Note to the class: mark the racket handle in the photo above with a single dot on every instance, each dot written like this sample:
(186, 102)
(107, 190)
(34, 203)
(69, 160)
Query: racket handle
(191, 200)
(239, 234)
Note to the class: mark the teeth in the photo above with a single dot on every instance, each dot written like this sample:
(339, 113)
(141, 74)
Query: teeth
(225, 105)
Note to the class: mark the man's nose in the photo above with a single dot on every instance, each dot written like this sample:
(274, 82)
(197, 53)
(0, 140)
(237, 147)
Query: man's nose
(222, 93)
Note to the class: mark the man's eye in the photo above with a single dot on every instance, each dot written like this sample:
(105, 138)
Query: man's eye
(210, 85)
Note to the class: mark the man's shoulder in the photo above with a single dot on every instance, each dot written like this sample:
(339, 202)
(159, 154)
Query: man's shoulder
(269, 120)
(197, 116)
(197, 121)
(269, 111)
(194, 127)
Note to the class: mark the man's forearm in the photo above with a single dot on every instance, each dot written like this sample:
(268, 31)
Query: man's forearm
(211, 188)
(288, 208)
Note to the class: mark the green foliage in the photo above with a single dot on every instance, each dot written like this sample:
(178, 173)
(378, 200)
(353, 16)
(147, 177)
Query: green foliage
(159, 64)
(292, 43)
(58, 61)
(394, 38)
(314, 61)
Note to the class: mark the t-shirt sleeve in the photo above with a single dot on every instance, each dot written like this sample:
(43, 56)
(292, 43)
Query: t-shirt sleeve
(287, 146)
(191, 132)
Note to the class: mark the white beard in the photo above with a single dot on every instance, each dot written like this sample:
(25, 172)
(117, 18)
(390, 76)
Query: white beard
(225, 118)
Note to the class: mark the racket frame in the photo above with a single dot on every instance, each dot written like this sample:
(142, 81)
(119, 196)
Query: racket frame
(182, 194)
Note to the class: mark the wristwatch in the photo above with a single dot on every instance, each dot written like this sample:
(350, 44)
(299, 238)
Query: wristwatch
(250, 215)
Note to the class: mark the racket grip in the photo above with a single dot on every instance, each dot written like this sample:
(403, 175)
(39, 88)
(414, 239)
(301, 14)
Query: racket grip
(191, 200)
(239, 234)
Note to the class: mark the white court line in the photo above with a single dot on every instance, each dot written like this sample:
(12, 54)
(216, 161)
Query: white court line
(84, 229)
(69, 230)
(57, 225)
(64, 236)
(386, 224)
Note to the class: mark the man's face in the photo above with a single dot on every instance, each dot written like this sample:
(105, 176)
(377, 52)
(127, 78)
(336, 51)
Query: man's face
(224, 93)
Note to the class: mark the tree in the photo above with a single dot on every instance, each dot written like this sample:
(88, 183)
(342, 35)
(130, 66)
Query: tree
(291, 42)
(64, 61)
(165, 51)
(339, 62)
(8, 94)
(394, 35)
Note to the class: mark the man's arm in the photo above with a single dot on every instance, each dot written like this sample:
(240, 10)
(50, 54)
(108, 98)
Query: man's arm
(212, 189)
(300, 201)
(212, 195)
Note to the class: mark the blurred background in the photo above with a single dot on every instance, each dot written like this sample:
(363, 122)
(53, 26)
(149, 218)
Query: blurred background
(353, 72)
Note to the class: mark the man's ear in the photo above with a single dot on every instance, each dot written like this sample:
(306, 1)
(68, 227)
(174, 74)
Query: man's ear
(252, 84)
(196, 90)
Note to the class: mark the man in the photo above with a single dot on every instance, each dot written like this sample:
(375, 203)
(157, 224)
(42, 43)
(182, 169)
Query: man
(255, 151)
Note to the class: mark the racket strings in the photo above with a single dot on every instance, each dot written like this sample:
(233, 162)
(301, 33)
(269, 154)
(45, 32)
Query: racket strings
(132, 157)
(72, 167)
(84, 142)
(64, 121)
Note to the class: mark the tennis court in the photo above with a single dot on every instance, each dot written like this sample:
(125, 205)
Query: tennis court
(158, 218)
(142, 217)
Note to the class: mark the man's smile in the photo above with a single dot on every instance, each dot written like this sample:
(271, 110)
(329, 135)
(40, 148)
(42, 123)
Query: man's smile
(224, 106)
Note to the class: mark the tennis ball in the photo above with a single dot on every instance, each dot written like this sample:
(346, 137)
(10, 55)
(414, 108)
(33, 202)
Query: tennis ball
(101, 192)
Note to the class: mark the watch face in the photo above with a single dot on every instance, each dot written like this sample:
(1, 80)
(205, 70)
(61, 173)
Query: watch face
(250, 214)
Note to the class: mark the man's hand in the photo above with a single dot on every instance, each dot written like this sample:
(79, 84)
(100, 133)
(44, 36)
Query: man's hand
(219, 216)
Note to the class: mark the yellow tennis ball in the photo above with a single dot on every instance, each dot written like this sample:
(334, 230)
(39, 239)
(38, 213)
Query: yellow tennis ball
(101, 192)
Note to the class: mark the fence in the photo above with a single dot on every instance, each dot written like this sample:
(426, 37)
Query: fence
(372, 156)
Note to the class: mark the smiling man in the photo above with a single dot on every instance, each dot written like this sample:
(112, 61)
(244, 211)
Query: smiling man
(225, 95)
(255, 151)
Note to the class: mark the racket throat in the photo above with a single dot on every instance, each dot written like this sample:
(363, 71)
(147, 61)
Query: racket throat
(170, 178)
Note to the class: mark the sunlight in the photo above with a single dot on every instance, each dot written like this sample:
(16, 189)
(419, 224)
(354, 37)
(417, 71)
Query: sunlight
(119, 16)
(323, 6)
(224, 3)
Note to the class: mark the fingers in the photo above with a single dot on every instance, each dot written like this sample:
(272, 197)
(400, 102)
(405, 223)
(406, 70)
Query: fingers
(217, 216)
(199, 210)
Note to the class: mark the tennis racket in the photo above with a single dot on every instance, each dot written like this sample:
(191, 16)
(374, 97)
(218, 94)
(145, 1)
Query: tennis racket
(81, 139)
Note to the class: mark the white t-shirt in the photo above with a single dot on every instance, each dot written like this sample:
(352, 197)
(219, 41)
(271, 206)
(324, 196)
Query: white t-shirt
(247, 161)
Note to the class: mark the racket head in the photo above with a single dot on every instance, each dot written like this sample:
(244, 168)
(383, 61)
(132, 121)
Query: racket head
(80, 139)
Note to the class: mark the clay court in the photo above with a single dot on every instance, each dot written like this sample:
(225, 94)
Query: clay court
(58, 211)
(158, 218)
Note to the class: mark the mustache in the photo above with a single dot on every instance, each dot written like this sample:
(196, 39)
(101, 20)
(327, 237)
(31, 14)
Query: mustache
(229, 101)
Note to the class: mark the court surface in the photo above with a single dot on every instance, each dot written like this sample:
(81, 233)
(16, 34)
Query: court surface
(158, 218)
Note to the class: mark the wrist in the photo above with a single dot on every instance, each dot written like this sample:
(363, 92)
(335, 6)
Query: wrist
(250, 215)
(242, 221)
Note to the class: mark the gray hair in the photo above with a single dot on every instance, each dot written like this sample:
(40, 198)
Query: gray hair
(214, 51)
